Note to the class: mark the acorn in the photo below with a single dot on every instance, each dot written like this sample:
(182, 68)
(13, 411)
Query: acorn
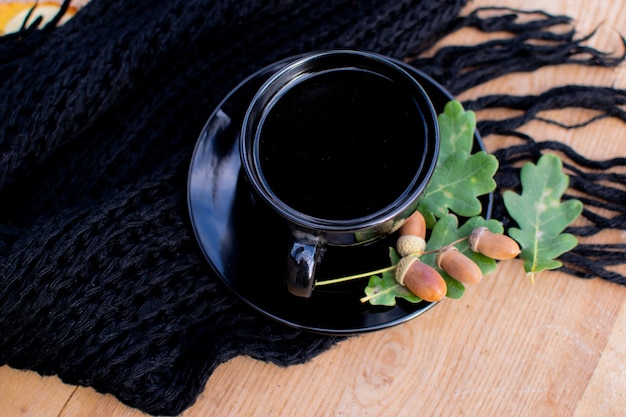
(493, 245)
(458, 266)
(421, 279)
(414, 225)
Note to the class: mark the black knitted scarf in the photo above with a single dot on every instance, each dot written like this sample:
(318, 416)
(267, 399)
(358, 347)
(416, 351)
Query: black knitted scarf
(101, 280)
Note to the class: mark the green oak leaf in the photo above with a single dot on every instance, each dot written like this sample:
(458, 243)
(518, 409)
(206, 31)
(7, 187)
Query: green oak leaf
(456, 129)
(541, 216)
(456, 185)
(383, 290)
(460, 177)
(447, 231)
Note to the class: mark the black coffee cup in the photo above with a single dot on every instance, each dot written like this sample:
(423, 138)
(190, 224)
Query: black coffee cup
(341, 144)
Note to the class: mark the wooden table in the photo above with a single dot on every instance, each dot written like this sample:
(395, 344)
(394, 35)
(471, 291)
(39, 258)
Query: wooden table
(507, 348)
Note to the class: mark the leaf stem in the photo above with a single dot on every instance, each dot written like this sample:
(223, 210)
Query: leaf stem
(352, 277)
(379, 271)
(448, 244)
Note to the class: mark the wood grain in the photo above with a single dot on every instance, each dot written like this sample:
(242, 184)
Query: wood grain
(507, 348)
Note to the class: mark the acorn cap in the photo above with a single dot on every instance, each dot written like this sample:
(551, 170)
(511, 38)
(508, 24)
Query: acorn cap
(474, 237)
(410, 245)
(403, 265)
(442, 252)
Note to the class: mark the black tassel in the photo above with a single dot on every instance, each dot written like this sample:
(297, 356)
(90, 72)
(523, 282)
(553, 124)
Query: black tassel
(595, 185)
(536, 43)
(463, 67)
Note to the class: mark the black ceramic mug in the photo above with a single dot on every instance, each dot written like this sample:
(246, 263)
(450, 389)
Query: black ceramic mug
(341, 144)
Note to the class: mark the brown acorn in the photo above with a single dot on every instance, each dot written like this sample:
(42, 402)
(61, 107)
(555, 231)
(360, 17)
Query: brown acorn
(458, 266)
(414, 225)
(421, 279)
(493, 245)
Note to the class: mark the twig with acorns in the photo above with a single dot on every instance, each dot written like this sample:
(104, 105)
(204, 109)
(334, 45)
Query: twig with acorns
(422, 279)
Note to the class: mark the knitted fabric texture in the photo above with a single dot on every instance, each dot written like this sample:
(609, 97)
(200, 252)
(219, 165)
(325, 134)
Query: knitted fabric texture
(101, 279)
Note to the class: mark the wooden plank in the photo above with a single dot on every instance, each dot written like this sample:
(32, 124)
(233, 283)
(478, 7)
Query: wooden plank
(507, 348)
(605, 394)
(88, 402)
(26, 393)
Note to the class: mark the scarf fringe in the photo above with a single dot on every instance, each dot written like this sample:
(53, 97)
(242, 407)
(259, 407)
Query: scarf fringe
(596, 190)
(537, 43)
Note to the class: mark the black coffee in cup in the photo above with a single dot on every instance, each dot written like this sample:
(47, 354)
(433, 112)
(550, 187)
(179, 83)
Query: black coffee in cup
(341, 144)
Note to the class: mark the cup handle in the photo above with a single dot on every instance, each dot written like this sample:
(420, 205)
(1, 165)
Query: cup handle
(305, 252)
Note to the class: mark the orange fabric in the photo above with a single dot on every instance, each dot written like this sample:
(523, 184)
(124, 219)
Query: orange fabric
(13, 13)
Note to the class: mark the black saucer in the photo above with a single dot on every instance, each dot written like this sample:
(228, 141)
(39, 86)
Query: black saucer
(247, 245)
